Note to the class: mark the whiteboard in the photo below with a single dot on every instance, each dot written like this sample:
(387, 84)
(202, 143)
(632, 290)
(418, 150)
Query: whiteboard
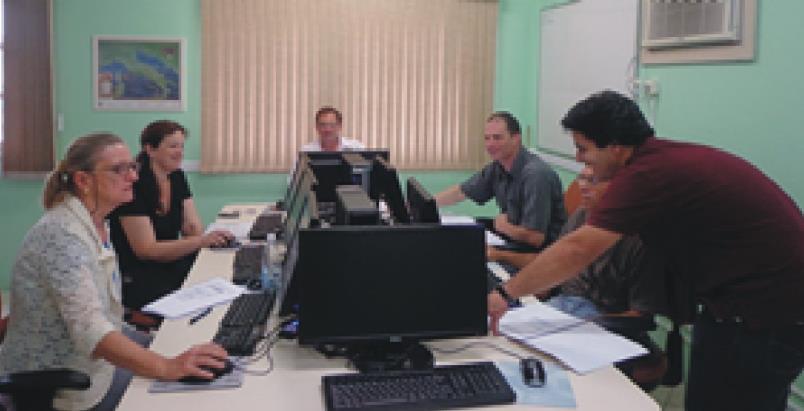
(586, 46)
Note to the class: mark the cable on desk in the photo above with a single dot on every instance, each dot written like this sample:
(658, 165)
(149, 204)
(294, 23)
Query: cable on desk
(264, 347)
(475, 344)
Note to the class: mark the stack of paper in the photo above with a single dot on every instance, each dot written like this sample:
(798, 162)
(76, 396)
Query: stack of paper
(195, 298)
(581, 345)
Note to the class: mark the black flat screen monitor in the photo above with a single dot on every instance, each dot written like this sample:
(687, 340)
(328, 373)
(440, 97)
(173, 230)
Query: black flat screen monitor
(422, 206)
(385, 186)
(391, 286)
(307, 217)
(331, 170)
(293, 183)
(295, 206)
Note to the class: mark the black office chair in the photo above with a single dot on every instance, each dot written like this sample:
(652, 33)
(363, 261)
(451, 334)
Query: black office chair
(35, 390)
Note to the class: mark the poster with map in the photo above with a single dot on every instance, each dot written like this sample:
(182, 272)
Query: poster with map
(138, 73)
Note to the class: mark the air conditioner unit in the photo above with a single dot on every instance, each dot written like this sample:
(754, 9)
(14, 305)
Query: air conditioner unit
(683, 23)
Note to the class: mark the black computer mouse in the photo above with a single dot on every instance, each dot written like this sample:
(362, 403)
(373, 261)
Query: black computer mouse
(532, 372)
(228, 366)
(254, 284)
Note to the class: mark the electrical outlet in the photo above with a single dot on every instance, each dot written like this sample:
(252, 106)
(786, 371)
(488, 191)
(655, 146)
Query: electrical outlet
(650, 88)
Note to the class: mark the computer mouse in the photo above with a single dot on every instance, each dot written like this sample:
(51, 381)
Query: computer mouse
(228, 366)
(532, 372)
(254, 284)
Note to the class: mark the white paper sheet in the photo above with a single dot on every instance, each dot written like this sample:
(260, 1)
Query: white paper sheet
(189, 300)
(581, 345)
(491, 238)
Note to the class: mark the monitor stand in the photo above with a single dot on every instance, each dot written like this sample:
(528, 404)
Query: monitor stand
(390, 356)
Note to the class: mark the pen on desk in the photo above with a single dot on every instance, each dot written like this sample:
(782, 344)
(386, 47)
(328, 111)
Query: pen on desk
(200, 315)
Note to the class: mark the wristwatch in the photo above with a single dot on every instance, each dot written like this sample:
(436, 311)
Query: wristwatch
(504, 294)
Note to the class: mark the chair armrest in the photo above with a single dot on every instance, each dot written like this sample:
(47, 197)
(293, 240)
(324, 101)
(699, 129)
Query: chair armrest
(45, 380)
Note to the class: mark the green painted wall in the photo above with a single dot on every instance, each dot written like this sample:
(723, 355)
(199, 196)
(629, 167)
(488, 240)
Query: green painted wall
(749, 109)
(75, 22)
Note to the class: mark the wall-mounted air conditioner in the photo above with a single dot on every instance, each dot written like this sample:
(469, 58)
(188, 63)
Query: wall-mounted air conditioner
(684, 23)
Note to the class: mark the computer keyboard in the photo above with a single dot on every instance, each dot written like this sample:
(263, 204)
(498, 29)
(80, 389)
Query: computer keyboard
(239, 341)
(449, 386)
(264, 224)
(249, 310)
(248, 263)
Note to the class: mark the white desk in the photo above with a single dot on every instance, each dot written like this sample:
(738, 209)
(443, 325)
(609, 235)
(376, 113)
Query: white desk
(295, 382)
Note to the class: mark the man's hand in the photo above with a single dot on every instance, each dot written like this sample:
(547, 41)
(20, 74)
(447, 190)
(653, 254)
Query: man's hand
(492, 253)
(501, 224)
(497, 306)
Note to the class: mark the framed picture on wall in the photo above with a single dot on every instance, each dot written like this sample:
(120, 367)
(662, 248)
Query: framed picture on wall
(133, 73)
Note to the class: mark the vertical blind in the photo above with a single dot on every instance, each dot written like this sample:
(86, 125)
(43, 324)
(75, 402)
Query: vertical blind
(414, 76)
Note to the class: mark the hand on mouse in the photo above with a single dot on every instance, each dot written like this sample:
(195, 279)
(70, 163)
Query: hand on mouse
(192, 361)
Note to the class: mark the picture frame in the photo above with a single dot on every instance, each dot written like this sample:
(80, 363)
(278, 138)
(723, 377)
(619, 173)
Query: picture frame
(138, 73)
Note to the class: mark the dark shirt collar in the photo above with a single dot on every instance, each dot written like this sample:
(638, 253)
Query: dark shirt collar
(519, 163)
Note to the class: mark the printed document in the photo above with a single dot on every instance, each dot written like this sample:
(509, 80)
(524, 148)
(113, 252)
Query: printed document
(579, 344)
(195, 298)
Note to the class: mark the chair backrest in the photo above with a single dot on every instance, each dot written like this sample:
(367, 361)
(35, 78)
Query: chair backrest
(572, 197)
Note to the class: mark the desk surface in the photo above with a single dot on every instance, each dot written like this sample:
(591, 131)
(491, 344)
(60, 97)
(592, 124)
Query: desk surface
(295, 382)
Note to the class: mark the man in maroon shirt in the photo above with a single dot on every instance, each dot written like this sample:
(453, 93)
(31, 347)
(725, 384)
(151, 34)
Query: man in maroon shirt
(731, 233)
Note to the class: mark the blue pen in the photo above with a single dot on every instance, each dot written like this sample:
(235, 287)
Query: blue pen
(200, 315)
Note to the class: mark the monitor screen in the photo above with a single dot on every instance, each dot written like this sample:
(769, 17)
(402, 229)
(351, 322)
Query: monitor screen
(385, 186)
(331, 170)
(391, 283)
(422, 206)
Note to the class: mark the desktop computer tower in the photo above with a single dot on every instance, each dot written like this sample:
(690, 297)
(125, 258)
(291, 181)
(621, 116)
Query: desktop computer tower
(354, 207)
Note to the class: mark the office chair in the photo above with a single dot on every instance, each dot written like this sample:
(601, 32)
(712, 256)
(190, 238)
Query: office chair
(572, 197)
(34, 390)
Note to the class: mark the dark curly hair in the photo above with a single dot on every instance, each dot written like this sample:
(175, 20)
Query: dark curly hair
(511, 123)
(608, 118)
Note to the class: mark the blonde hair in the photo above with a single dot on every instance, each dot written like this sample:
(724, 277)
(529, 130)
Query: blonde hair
(82, 155)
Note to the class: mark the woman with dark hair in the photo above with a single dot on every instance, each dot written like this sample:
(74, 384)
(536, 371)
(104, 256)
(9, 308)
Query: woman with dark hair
(158, 234)
(65, 286)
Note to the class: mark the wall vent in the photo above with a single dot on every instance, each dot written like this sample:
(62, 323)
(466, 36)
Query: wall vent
(685, 23)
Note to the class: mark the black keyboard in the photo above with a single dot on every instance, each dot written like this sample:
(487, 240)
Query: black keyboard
(249, 310)
(248, 263)
(264, 224)
(449, 386)
(239, 341)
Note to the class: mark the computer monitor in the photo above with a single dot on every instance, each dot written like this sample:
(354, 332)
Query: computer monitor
(299, 202)
(287, 297)
(331, 170)
(293, 183)
(422, 206)
(379, 291)
(385, 186)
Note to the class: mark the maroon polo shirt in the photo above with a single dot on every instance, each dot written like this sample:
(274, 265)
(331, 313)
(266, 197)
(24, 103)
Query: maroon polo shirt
(725, 225)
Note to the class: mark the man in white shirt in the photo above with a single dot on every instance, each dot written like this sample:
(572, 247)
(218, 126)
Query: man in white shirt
(328, 122)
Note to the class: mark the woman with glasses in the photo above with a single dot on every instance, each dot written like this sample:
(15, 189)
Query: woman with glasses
(65, 287)
(158, 234)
